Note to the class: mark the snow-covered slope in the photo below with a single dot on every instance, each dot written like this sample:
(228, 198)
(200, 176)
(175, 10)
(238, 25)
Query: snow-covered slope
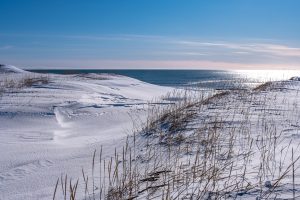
(10, 69)
(239, 144)
(50, 124)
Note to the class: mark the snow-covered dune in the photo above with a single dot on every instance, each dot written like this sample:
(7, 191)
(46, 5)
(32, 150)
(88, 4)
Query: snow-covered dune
(10, 69)
(50, 124)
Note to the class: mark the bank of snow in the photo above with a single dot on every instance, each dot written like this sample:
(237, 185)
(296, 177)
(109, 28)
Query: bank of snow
(50, 124)
(6, 69)
(238, 144)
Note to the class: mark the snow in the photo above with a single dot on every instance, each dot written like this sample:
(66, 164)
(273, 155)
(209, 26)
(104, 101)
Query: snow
(10, 69)
(256, 134)
(53, 128)
(295, 78)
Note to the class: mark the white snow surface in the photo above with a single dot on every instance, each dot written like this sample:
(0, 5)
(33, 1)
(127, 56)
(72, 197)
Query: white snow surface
(52, 127)
(10, 69)
(47, 129)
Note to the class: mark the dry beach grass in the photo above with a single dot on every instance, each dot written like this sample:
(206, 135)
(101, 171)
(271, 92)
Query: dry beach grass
(239, 144)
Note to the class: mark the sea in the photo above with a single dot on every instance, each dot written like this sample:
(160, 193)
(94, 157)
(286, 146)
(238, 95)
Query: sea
(213, 79)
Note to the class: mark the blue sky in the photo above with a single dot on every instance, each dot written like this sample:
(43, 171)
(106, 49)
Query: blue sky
(210, 34)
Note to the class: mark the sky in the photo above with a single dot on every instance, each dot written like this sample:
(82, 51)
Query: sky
(160, 34)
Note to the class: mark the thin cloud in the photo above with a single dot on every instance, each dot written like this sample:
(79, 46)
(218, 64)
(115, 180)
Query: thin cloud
(280, 50)
(271, 49)
(151, 51)
(210, 47)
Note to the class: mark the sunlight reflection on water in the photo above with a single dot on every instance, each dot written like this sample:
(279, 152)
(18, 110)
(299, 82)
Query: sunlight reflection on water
(268, 75)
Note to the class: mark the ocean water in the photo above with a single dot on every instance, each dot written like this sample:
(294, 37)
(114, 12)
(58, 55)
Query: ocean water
(214, 79)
